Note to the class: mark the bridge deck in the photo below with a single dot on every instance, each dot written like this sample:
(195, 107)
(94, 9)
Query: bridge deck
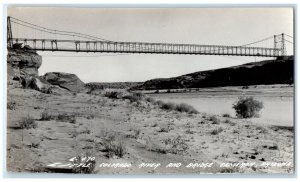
(142, 47)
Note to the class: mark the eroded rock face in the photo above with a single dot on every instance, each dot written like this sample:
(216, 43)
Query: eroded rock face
(64, 80)
(26, 62)
(22, 72)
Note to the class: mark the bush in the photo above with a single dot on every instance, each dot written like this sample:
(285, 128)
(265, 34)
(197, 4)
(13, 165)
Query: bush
(186, 108)
(112, 147)
(27, 123)
(168, 106)
(134, 97)
(226, 115)
(112, 95)
(177, 107)
(228, 121)
(11, 105)
(150, 99)
(247, 107)
(217, 130)
(159, 103)
(46, 116)
(66, 118)
(214, 120)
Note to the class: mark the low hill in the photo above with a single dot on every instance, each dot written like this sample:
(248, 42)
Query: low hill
(113, 85)
(279, 71)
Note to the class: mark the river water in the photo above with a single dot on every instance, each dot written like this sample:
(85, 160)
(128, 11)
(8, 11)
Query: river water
(278, 102)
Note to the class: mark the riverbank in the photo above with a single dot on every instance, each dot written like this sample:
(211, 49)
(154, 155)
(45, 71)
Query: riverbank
(66, 126)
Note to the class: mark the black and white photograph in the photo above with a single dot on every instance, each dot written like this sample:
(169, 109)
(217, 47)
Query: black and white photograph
(150, 90)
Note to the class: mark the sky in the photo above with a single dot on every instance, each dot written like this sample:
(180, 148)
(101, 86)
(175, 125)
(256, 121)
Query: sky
(215, 26)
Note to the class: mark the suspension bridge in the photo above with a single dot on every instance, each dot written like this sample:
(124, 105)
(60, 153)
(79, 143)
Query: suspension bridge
(46, 39)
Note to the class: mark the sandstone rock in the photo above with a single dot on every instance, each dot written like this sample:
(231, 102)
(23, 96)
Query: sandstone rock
(24, 61)
(56, 90)
(65, 80)
(22, 68)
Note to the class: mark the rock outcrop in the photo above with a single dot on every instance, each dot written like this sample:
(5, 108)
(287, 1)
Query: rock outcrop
(22, 72)
(64, 80)
(23, 61)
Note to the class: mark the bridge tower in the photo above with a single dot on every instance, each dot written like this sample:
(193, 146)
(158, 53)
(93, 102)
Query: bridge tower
(9, 33)
(279, 43)
(283, 48)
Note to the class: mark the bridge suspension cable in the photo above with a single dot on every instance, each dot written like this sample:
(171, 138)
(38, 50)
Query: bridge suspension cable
(54, 31)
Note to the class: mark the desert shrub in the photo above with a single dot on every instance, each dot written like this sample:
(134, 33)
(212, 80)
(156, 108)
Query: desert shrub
(66, 118)
(228, 121)
(274, 146)
(91, 116)
(134, 97)
(168, 106)
(177, 107)
(154, 125)
(113, 147)
(164, 129)
(176, 145)
(11, 105)
(226, 115)
(150, 99)
(216, 131)
(85, 131)
(261, 129)
(27, 123)
(214, 120)
(189, 131)
(247, 107)
(47, 116)
(112, 95)
(159, 103)
(135, 134)
(186, 108)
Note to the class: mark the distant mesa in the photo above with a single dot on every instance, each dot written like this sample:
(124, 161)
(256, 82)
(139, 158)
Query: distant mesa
(279, 71)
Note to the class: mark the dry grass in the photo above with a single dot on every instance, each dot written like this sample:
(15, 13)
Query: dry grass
(216, 131)
(113, 147)
(11, 105)
(47, 116)
(27, 123)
